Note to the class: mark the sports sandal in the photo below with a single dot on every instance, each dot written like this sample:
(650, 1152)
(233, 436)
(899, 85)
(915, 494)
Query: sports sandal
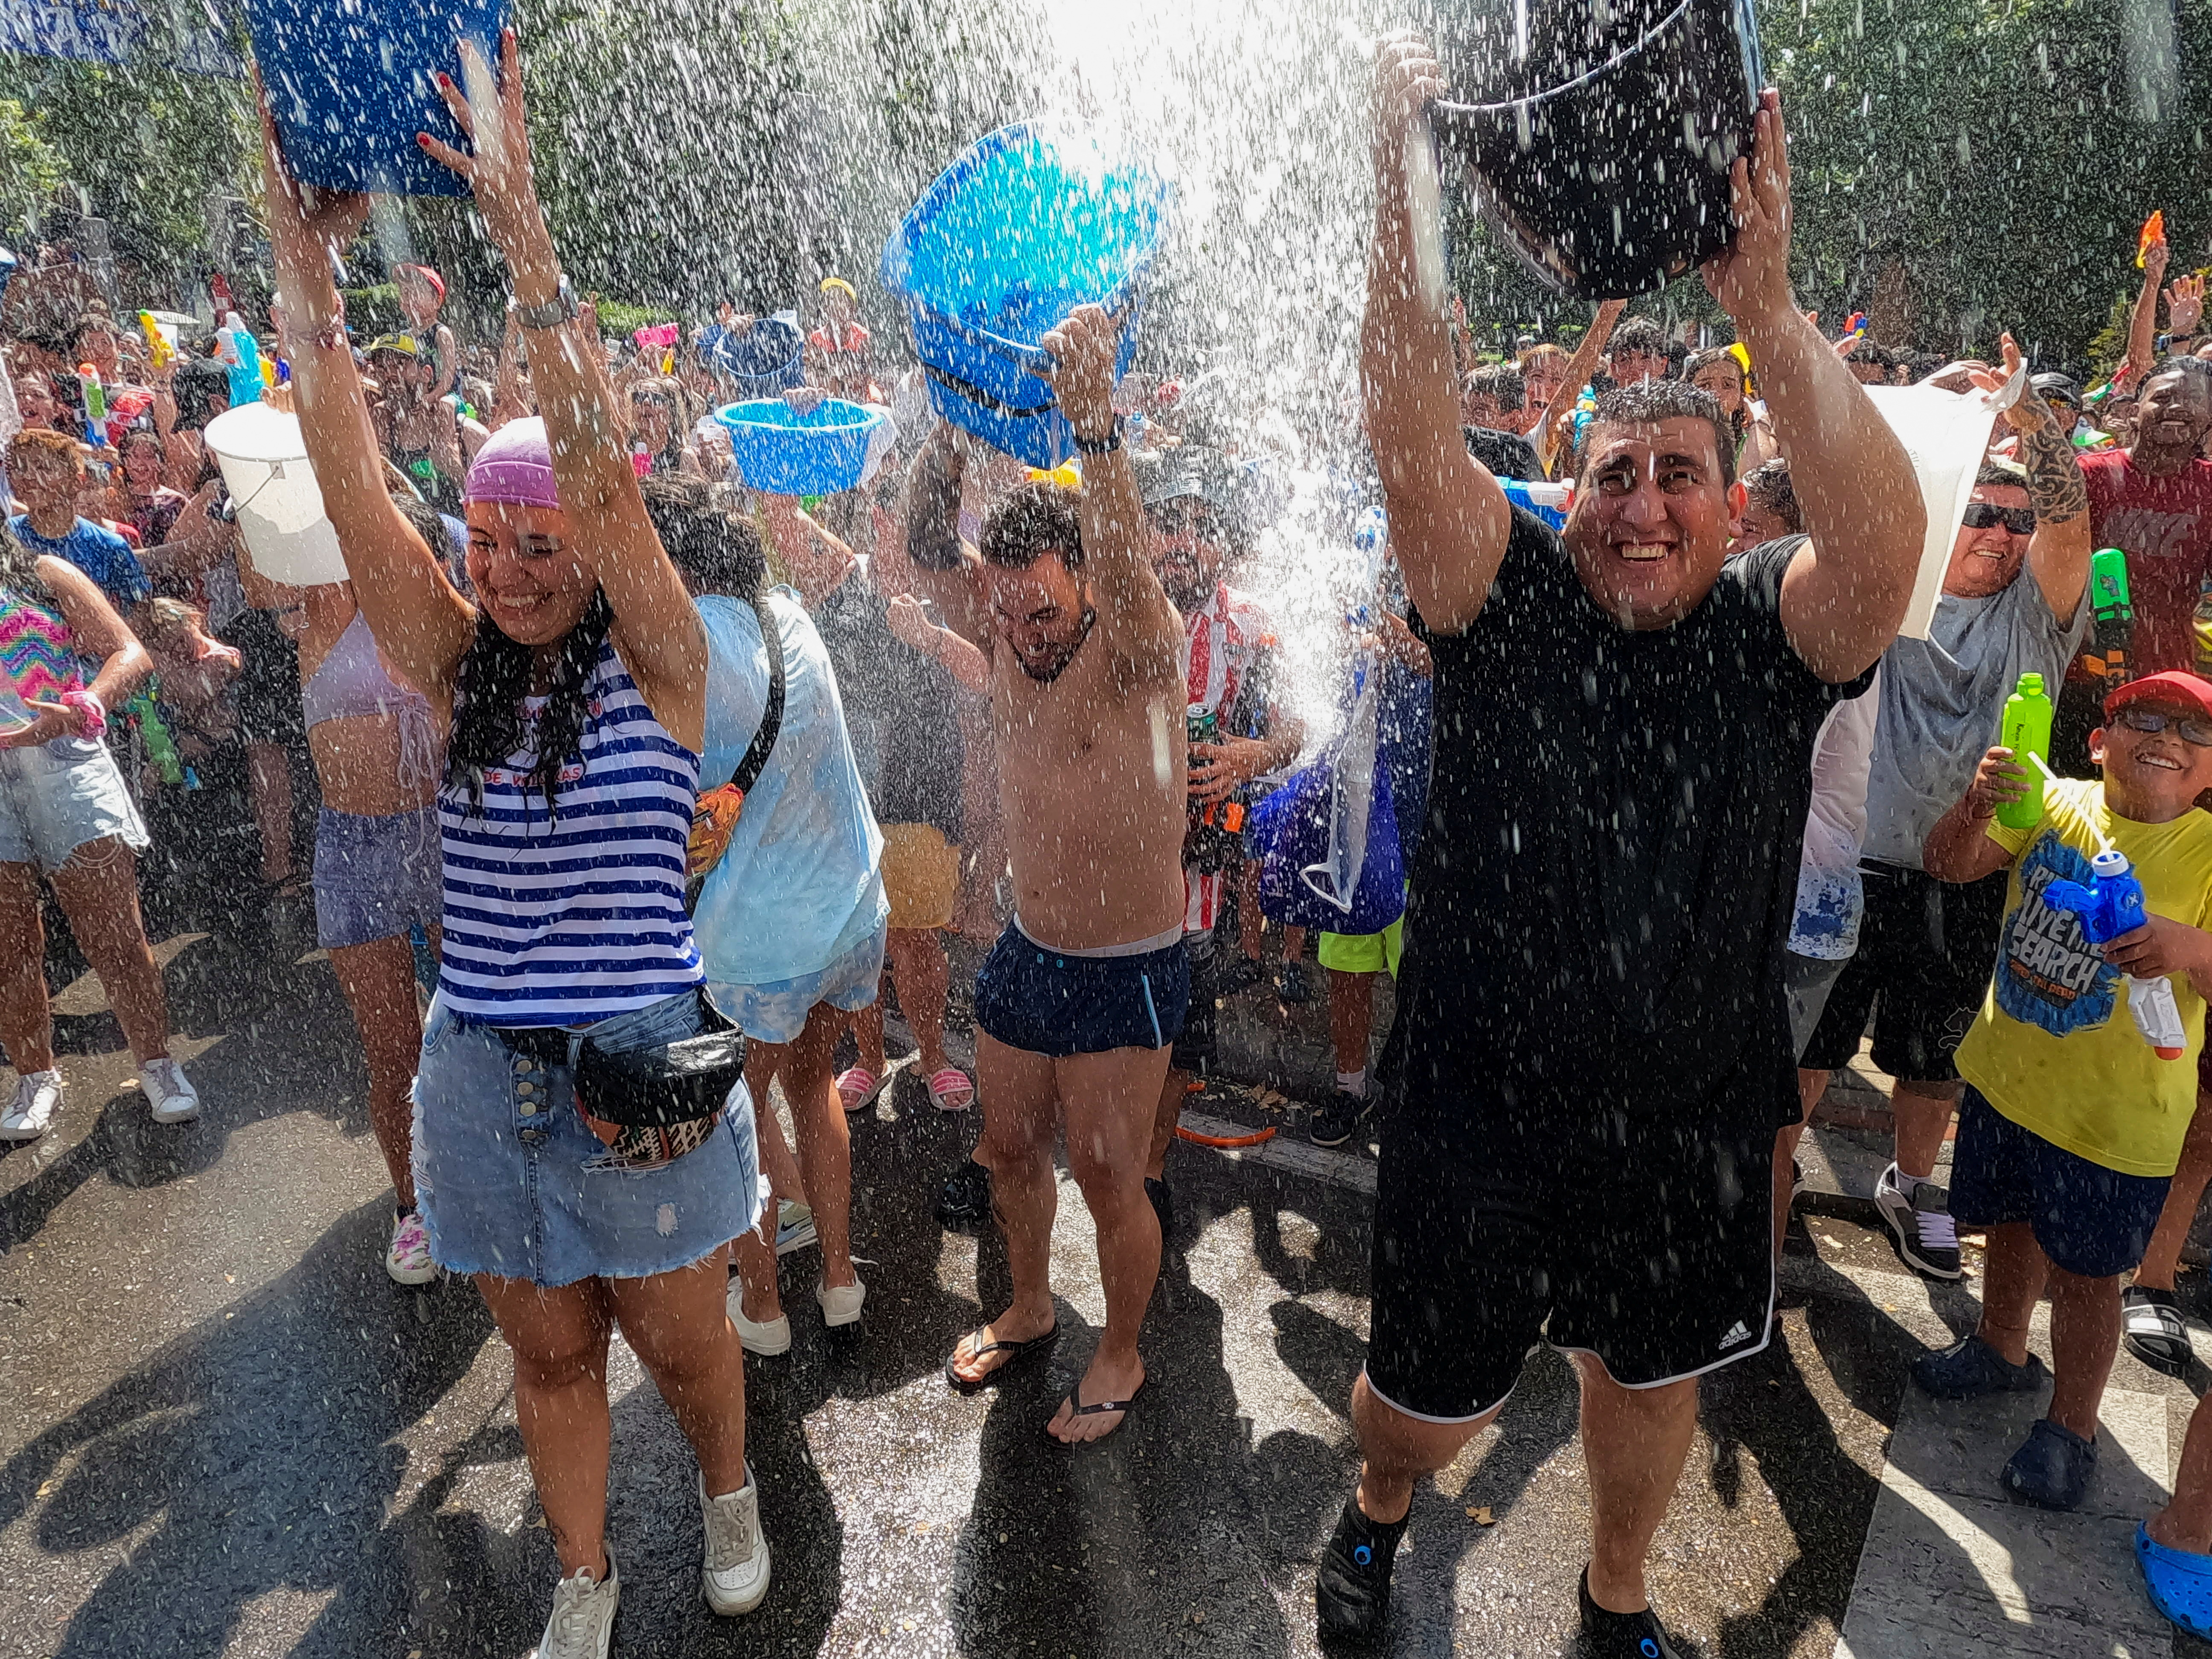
(859, 1086)
(2154, 1332)
(2181, 1583)
(950, 1091)
(969, 1384)
(1075, 1399)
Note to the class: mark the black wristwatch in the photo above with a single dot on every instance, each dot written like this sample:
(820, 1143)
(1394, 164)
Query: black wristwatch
(1105, 445)
(555, 311)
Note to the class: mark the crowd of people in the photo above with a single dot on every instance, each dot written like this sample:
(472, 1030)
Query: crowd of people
(677, 779)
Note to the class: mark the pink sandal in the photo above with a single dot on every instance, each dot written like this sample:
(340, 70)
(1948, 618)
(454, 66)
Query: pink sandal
(951, 1090)
(857, 1087)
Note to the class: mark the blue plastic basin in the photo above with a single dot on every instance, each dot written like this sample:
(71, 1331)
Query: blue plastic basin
(349, 85)
(765, 360)
(784, 452)
(1031, 223)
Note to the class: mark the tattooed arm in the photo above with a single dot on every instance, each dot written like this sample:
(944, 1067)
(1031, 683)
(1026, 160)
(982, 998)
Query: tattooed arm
(2058, 554)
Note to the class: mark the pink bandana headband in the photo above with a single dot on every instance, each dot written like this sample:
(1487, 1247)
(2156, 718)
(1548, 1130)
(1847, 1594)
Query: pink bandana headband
(515, 466)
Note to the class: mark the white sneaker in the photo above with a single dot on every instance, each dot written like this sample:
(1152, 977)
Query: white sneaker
(38, 1098)
(794, 1227)
(735, 1576)
(842, 1305)
(1918, 1213)
(767, 1339)
(169, 1091)
(408, 1261)
(582, 1624)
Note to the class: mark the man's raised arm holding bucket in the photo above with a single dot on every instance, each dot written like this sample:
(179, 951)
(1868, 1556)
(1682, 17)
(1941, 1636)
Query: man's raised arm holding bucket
(1846, 591)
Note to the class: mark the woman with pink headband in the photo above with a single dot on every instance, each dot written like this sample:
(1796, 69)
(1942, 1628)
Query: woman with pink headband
(573, 693)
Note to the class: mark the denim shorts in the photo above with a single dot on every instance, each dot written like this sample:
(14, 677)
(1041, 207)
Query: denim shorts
(512, 1179)
(777, 1012)
(2091, 1221)
(376, 876)
(1030, 998)
(55, 797)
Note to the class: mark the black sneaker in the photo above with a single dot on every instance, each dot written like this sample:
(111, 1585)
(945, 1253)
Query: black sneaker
(1162, 1205)
(965, 1203)
(1291, 985)
(1351, 1593)
(1918, 1213)
(1335, 1123)
(1242, 974)
(1623, 1635)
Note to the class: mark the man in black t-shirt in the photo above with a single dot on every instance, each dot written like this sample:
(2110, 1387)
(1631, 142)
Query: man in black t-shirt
(1593, 1051)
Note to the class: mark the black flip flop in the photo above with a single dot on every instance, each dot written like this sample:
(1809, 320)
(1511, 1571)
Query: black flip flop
(2153, 1330)
(968, 1384)
(1075, 1399)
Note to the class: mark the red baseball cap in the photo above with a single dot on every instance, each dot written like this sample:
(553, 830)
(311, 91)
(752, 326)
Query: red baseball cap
(437, 283)
(2171, 686)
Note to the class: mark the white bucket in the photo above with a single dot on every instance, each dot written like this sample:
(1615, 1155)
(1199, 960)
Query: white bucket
(288, 535)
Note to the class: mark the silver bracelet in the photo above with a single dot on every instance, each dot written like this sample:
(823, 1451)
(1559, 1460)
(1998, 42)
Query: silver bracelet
(554, 312)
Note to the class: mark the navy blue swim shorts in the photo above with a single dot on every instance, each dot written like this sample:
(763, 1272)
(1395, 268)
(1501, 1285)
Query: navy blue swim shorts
(1031, 997)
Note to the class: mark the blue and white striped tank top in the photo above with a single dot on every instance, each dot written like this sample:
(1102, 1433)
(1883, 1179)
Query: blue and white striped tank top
(566, 921)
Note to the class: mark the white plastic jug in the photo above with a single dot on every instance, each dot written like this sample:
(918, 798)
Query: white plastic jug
(280, 505)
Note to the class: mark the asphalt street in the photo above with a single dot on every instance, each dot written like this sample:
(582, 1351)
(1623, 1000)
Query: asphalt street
(225, 1432)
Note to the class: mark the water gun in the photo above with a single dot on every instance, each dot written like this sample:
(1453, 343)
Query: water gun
(95, 406)
(161, 747)
(1549, 501)
(2154, 231)
(2110, 904)
(1855, 325)
(2112, 630)
(161, 349)
(242, 358)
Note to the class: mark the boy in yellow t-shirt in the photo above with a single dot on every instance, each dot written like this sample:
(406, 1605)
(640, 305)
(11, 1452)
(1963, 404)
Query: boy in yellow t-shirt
(2071, 1123)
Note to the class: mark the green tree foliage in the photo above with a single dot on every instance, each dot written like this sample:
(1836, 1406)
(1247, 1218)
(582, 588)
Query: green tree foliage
(1996, 156)
(146, 144)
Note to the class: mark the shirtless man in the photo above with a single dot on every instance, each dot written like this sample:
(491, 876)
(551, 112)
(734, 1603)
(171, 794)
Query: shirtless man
(1086, 991)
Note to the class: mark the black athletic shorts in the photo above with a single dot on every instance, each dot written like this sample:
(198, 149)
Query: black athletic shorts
(1926, 948)
(1646, 1242)
(267, 690)
(1195, 1045)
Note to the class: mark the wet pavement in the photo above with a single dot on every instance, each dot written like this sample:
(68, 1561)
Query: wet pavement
(225, 1432)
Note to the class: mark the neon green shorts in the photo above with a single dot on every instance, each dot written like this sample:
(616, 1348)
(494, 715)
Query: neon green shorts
(1366, 953)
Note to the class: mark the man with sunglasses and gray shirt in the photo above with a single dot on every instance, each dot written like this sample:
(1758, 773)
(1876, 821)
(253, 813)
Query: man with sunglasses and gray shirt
(2014, 602)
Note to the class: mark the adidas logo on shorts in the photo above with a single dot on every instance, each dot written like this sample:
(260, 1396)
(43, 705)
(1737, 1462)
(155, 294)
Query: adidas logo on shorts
(1738, 1331)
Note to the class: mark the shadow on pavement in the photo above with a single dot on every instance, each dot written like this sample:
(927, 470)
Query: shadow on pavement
(259, 1449)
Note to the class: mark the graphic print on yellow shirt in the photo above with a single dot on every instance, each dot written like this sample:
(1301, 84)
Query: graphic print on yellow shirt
(2056, 1049)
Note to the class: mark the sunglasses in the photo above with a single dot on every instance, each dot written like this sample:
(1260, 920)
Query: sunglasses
(2018, 520)
(2194, 729)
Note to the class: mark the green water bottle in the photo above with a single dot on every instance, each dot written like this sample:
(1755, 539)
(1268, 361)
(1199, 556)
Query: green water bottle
(2027, 731)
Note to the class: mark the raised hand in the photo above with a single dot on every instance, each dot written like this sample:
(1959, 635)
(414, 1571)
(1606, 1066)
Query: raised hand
(2185, 304)
(305, 236)
(497, 166)
(1750, 277)
(1082, 372)
(1407, 79)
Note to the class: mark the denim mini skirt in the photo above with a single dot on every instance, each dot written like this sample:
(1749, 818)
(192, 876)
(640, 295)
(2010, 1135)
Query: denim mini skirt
(513, 1181)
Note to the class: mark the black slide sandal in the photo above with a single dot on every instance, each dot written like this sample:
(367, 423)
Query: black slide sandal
(968, 1384)
(2154, 1332)
(1075, 1399)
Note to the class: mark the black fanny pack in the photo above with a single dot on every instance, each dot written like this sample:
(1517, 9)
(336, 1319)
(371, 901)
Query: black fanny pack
(669, 1084)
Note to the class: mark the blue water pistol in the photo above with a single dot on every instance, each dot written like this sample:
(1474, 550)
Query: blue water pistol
(2110, 904)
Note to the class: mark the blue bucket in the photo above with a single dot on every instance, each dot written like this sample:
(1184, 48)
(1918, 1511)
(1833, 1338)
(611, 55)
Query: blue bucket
(828, 449)
(767, 360)
(1031, 223)
(349, 85)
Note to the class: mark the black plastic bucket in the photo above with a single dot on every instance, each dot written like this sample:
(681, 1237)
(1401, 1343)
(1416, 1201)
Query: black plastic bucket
(1598, 137)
